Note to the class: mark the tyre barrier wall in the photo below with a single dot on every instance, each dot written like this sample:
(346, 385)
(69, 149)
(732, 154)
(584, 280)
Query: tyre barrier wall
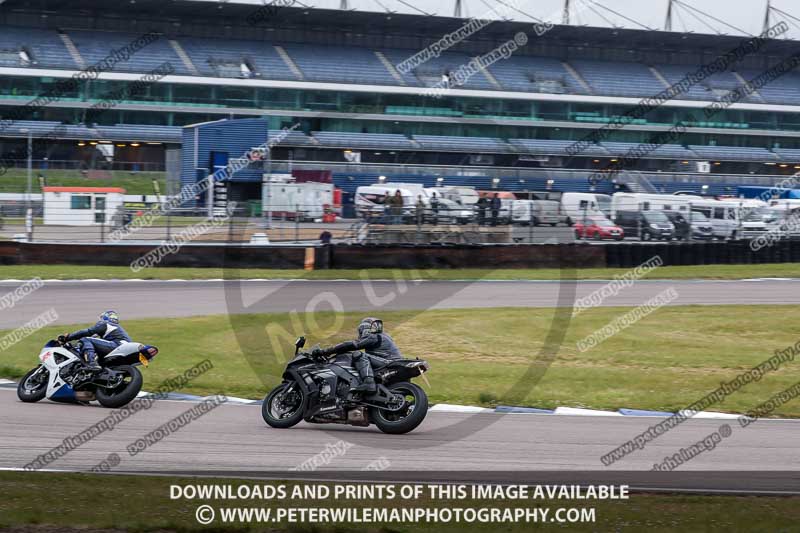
(466, 256)
(577, 255)
(218, 256)
(632, 254)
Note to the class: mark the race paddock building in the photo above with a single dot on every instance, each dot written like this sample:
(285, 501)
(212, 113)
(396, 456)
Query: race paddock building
(369, 91)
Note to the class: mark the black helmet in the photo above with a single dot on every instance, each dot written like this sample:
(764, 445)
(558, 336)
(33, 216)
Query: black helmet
(369, 326)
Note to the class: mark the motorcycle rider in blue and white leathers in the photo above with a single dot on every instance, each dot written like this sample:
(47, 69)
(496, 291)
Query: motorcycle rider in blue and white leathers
(102, 338)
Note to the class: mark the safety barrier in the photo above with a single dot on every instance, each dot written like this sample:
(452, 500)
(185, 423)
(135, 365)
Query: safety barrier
(356, 256)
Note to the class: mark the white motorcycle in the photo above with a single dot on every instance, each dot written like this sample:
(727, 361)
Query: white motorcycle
(63, 376)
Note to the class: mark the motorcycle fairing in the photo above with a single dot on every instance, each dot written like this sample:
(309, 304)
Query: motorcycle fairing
(55, 358)
(320, 383)
(128, 353)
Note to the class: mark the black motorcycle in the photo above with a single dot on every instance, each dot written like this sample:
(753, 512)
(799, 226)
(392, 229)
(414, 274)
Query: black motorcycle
(318, 390)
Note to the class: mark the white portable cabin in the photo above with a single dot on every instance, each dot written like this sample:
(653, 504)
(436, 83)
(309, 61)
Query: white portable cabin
(81, 206)
(283, 196)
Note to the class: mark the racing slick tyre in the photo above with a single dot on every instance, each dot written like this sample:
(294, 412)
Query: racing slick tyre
(33, 385)
(123, 393)
(410, 415)
(282, 408)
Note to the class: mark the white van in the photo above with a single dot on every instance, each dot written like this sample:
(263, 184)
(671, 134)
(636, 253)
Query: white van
(577, 205)
(538, 212)
(370, 200)
(725, 215)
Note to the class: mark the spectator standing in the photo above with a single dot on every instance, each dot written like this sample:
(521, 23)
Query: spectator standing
(482, 203)
(397, 207)
(420, 212)
(495, 207)
(387, 209)
(435, 208)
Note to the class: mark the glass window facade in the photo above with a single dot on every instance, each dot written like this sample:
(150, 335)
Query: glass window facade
(198, 102)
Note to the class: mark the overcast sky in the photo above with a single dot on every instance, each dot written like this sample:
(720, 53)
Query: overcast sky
(744, 15)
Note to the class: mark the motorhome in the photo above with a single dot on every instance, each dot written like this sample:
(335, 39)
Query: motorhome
(788, 205)
(627, 201)
(465, 196)
(578, 205)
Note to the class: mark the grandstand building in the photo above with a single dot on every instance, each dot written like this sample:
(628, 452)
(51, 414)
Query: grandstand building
(364, 102)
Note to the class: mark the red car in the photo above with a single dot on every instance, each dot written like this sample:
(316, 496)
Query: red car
(598, 228)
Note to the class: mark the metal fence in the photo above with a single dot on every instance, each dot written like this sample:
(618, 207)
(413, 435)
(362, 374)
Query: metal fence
(70, 164)
(87, 220)
(151, 225)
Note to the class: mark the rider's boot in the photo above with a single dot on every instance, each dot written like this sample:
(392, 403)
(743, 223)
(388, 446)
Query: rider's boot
(91, 358)
(93, 365)
(368, 385)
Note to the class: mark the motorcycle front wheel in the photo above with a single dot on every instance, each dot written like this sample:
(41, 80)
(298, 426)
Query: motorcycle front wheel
(33, 385)
(284, 406)
(123, 393)
(411, 415)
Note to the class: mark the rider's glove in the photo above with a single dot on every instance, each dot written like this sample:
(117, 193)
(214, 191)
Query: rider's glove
(317, 354)
(62, 339)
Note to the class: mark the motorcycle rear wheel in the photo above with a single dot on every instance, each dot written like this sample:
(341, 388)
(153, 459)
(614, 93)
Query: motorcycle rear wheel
(123, 393)
(406, 419)
(37, 391)
(284, 420)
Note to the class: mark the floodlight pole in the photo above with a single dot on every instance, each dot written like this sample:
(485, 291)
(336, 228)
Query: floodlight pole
(268, 174)
(668, 21)
(30, 166)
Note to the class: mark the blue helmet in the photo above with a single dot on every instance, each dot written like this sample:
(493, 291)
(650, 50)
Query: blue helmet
(110, 316)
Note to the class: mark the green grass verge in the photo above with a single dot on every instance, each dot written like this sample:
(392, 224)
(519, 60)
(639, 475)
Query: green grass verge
(15, 180)
(665, 272)
(141, 503)
(667, 360)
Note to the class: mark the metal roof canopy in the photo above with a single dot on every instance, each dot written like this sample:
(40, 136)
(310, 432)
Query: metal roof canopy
(733, 17)
(358, 27)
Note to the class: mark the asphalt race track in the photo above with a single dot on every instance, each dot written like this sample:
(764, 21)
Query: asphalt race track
(234, 439)
(77, 302)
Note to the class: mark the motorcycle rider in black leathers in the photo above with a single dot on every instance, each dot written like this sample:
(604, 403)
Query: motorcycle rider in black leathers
(374, 343)
(109, 335)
